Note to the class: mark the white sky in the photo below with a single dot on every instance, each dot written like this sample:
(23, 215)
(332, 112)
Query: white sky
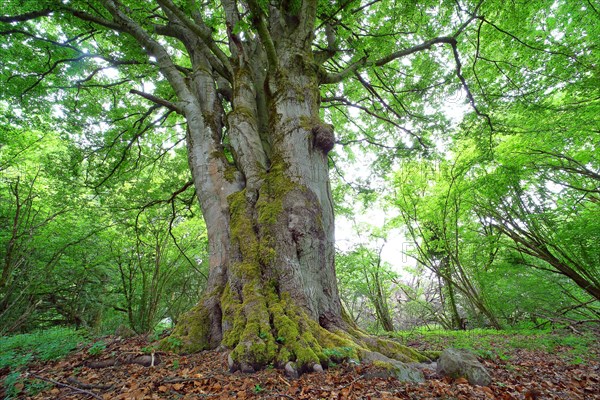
(396, 246)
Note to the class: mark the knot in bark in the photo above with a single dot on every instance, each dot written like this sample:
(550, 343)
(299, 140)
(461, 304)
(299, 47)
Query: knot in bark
(323, 137)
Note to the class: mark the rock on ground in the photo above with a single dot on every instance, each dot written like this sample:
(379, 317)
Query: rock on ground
(461, 363)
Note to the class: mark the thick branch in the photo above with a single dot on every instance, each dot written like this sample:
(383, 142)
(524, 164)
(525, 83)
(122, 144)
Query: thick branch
(166, 65)
(158, 100)
(365, 62)
(25, 17)
(96, 20)
(263, 33)
(193, 44)
(420, 47)
(202, 31)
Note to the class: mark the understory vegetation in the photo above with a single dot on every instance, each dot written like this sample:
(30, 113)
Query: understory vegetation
(133, 255)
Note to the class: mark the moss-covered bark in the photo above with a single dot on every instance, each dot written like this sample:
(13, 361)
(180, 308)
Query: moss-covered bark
(265, 320)
(272, 295)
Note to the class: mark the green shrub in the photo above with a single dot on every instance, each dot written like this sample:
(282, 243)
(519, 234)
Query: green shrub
(97, 348)
(11, 385)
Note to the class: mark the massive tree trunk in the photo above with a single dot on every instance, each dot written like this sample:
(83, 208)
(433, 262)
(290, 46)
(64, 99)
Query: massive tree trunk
(269, 216)
(257, 151)
(272, 295)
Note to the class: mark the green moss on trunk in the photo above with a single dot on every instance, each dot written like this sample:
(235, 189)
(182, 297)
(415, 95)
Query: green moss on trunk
(191, 334)
(261, 325)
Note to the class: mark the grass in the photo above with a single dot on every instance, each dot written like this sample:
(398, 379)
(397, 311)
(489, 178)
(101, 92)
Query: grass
(17, 351)
(488, 343)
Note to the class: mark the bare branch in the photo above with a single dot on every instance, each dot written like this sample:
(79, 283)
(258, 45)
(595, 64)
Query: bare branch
(158, 100)
(345, 102)
(130, 143)
(466, 86)
(75, 389)
(529, 46)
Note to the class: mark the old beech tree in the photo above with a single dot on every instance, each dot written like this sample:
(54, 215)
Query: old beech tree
(246, 77)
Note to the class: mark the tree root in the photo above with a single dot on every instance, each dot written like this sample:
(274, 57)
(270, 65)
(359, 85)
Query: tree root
(148, 360)
(265, 330)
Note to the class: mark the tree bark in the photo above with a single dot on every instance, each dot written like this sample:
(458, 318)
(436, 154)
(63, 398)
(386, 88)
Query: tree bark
(269, 217)
(272, 296)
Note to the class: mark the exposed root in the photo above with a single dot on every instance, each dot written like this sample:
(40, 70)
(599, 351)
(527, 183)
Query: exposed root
(191, 333)
(268, 330)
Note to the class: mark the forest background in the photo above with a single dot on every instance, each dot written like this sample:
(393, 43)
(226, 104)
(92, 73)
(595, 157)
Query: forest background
(490, 173)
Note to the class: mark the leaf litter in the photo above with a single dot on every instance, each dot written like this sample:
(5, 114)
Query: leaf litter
(526, 374)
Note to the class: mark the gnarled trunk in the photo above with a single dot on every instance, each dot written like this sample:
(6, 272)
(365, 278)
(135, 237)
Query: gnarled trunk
(272, 295)
(258, 155)
(269, 217)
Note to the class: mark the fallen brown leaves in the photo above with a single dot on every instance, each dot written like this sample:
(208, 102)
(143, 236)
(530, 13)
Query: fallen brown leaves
(527, 375)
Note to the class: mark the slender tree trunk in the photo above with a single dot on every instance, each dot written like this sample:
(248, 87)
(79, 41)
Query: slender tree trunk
(383, 315)
(379, 299)
(448, 293)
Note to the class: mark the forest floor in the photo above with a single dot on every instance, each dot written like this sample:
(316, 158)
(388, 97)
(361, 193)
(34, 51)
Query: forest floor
(532, 367)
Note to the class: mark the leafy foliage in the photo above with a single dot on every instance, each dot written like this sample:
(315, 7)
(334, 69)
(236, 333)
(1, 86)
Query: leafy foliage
(72, 256)
(476, 123)
(50, 344)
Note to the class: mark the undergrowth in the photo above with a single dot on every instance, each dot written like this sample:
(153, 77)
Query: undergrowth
(18, 351)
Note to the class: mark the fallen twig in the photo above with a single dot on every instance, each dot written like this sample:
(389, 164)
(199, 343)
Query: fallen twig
(351, 382)
(278, 395)
(283, 380)
(76, 389)
(181, 380)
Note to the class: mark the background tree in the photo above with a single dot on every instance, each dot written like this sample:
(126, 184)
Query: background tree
(363, 275)
(43, 227)
(467, 203)
(434, 210)
(58, 237)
